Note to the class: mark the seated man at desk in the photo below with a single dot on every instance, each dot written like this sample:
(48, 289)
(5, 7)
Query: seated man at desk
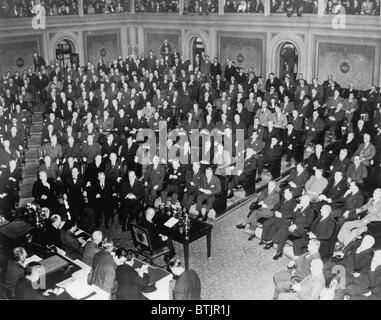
(27, 287)
(157, 240)
(70, 243)
(210, 187)
(130, 280)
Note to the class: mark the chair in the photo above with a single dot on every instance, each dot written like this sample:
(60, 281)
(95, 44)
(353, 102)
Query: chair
(5, 292)
(143, 244)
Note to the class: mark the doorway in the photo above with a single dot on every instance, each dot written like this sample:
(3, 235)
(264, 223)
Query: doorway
(288, 60)
(65, 52)
(198, 49)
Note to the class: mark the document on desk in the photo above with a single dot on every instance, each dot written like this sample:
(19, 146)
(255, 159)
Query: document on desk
(171, 222)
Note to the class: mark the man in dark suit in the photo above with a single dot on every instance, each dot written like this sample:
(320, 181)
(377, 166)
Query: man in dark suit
(188, 284)
(296, 180)
(74, 193)
(25, 287)
(283, 212)
(92, 247)
(129, 280)
(264, 208)
(292, 145)
(335, 189)
(131, 195)
(271, 156)
(175, 180)
(341, 163)
(192, 185)
(349, 202)
(101, 193)
(210, 187)
(322, 229)
(90, 150)
(153, 181)
(303, 216)
(246, 177)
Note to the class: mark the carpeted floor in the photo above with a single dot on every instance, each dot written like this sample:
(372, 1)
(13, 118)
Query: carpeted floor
(238, 270)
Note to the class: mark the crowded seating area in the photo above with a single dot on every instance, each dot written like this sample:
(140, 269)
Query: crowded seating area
(99, 163)
(28, 8)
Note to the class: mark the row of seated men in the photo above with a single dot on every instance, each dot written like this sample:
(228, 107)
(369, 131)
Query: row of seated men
(109, 270)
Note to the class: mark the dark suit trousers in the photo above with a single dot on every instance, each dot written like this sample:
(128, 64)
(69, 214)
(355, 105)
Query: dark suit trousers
(201, 198)
(271, 227)
(282, 235)
(169, 190)
(189, 198)
(129, 211)
(150, 196)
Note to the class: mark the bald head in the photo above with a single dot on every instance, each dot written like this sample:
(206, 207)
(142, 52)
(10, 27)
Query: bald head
(97, 236)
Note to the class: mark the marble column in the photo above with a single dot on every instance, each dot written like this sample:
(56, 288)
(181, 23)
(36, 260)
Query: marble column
(140, 40)
(123, 42)
(321, 8)
(212, 43)
(80, 8)
(181, 7)
(266, 4)
(132, 6)
(221, 4)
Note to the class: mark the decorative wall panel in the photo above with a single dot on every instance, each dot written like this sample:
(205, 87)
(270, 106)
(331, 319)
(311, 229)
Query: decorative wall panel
(154, 40)
(348, 64)
(247, 53)
(17, 55)
(102, 46)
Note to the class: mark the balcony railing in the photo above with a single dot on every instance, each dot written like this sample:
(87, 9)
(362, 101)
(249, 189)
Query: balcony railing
(29, 8)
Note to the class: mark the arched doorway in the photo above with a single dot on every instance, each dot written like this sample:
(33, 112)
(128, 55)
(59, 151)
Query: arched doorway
(198, 49)
(65, 52)
(288, 60)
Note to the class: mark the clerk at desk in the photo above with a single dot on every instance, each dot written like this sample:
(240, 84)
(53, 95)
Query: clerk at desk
(27, 287)
(130, 280)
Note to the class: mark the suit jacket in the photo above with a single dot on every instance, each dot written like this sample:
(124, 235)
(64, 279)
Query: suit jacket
(213, 185)
(293, 139)
(335, 192)
(366, 153)
(25, 291)
(53, 171)
(352, 201)
(303, 219)
(188, 286)
(113, 172)
(286, 208)
(356, 262)
(299, 179)
(323, 229)
(196, 178)
(155, 176)
(103, 271)
(368, 281)
(13, 273)
(137, 189)
(74, 191)
(90, 152)
(357, 174)
(274, 152)
(271, 199)
(303, 264)
(129, 282)
(340, 165)
(71, 245)
(89, 251)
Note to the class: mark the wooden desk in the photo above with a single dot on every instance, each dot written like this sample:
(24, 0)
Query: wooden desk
(197, 230)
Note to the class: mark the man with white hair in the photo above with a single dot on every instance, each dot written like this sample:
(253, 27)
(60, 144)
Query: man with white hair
(92, 247)
(310, 288)
(352, 229)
